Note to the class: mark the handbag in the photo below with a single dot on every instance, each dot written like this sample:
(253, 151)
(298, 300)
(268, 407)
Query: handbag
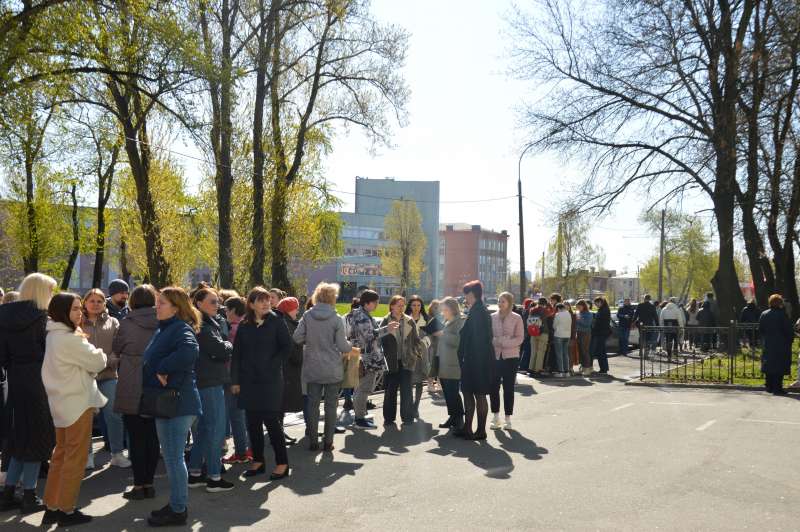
(160, 402)
(352, 363)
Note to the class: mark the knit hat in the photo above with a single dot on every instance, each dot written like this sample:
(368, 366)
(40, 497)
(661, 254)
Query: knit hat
(117, 286)
(288, 304)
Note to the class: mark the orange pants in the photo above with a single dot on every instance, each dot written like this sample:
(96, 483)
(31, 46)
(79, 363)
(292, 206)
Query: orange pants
(68, 463)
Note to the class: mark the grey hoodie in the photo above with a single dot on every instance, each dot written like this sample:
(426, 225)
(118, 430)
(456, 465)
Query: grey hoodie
(322, 333)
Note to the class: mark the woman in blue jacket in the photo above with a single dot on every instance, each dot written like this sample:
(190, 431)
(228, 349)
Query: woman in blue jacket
(169, 363)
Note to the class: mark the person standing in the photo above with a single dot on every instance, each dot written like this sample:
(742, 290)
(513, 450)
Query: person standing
(601, 330)
(100, 329)
(777, 334)
(135, 332)
(750, 316)
(562, 332)
(477, 359)
(415, 309)
(449, 366)
(625, 315)
(646, 315)
(169, 362)
(26, 425)
(213, 376)
(260, 351)
(691, 322)
(706, 319)
(321, 331)
(117, 301)
(434, 325)
(366, 335)
(674, 320)
(235, 310)
(507, 337)
(525, 349)
(400, 348)
(583, 331)
(293, 369)
(538, 325)
(68, 375)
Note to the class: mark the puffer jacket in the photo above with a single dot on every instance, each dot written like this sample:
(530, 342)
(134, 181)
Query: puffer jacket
(321, 332)
(134, 334)
(101, 333)
(449, 367)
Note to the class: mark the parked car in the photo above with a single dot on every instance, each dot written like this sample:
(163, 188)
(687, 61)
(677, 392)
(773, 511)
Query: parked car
(491, 304)
(612, 343)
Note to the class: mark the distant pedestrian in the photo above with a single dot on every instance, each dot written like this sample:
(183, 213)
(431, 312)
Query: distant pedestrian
(507, 336)
(646, 315)
(476, 354)
(583, 326)
(706, 320)
(776, 357)
(293, 400)
(691, 322)
(601, 330)
(449, 367)
(538, 326)
(750, 316)
(672, 319)
(625, 315)
(235, 310)
(562, 332)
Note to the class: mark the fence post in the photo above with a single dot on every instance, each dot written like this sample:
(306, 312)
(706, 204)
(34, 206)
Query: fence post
(731, 351)
(641, 352)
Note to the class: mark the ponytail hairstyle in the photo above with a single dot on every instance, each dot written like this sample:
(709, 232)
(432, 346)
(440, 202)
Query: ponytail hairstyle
(179, 299)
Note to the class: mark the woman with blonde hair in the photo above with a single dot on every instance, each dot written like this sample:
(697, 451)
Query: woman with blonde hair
(70, 366)
(169, 364)
(27, 426)
(508, 333)
(100, 330)
(321, 331)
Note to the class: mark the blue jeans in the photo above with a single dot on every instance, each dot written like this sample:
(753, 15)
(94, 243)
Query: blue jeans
(209, 433)
(624, 336)
(114, 425)
(28, 471)
(561, 347)
(172, 436)
(236, 424)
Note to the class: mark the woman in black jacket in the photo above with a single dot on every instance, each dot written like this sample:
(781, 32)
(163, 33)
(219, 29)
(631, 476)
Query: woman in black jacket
(601, 330)
(260, 350)
(776, 332)
(26, 425)
(293, 369)
(476, 355)
(212, 377)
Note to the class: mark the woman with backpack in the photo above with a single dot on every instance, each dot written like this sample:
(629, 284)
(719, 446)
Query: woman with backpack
(538, 326)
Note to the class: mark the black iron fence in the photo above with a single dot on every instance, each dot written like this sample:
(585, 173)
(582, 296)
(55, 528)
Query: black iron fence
(724, 355)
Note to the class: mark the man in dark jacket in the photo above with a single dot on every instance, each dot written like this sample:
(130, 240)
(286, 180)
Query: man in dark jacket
(645, 315)
(749, 317)
(625, 315)
(117, 300)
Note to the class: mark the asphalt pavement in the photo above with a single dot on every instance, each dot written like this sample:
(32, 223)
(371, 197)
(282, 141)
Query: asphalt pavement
(584, 454)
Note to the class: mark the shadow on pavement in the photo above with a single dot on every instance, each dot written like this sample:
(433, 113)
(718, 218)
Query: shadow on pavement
(496, 462)
(368, 444)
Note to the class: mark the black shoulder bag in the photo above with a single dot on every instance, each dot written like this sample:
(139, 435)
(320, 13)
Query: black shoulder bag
(160, 402)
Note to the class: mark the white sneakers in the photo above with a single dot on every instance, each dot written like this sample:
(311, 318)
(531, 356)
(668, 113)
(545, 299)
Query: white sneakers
(495, 422)
(120, 460)
(508, 423)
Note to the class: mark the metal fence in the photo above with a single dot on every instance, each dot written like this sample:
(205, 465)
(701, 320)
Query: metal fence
(722, 355)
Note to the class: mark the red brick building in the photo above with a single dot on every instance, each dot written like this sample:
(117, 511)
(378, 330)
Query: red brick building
(468, 252)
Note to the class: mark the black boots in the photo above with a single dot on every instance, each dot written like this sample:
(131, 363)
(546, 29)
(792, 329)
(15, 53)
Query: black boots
(30, 503)
(167, 517)
(7, 500)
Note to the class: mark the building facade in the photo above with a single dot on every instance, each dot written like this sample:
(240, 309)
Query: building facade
(468, 252)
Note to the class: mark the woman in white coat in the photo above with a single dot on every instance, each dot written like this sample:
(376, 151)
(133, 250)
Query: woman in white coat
(70, 366)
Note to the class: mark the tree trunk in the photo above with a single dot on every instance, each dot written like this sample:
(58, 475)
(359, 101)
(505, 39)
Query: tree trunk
(31, 259)
(725, 280)
(76, 239)
(278, 214)
(123, 261)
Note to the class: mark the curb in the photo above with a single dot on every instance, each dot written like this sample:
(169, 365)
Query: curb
(736, 387)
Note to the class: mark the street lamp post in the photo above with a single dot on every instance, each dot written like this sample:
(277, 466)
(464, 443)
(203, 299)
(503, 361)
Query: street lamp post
(522, 279)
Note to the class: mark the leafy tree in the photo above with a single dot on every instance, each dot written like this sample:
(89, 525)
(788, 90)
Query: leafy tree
(571, 254)
(405, 251)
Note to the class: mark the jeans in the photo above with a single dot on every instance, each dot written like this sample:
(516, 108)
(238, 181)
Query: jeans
(172, 435)
(114, 426)
(525, 354)
(505, 373)
(624, 337)
(236, 424)
(142, 448)
(538, 352)
(209, 434)
(366, 385)
(393, 381)
(27, 471)
(598, 350)
(561, 350)
(455, 406)
(315, 390)
(256, 420)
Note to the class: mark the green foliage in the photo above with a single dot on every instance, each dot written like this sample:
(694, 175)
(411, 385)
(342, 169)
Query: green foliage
(405, 250)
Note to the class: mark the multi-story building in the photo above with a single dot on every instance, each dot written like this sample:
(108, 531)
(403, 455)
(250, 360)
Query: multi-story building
(623, 287)
(468, 252)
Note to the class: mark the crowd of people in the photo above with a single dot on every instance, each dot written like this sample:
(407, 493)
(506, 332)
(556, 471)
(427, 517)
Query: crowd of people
(173, 374)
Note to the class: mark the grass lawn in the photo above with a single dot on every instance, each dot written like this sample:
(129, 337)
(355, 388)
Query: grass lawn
(714, 369)
(380, 312)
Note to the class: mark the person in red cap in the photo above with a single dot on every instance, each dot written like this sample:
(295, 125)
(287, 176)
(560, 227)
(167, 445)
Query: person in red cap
(292, 370)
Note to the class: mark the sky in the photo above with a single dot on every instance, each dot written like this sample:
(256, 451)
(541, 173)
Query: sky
(463, 132)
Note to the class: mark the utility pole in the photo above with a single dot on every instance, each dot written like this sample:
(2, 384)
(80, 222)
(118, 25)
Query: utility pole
(661, 258)
(542, 285)
(523, 281)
